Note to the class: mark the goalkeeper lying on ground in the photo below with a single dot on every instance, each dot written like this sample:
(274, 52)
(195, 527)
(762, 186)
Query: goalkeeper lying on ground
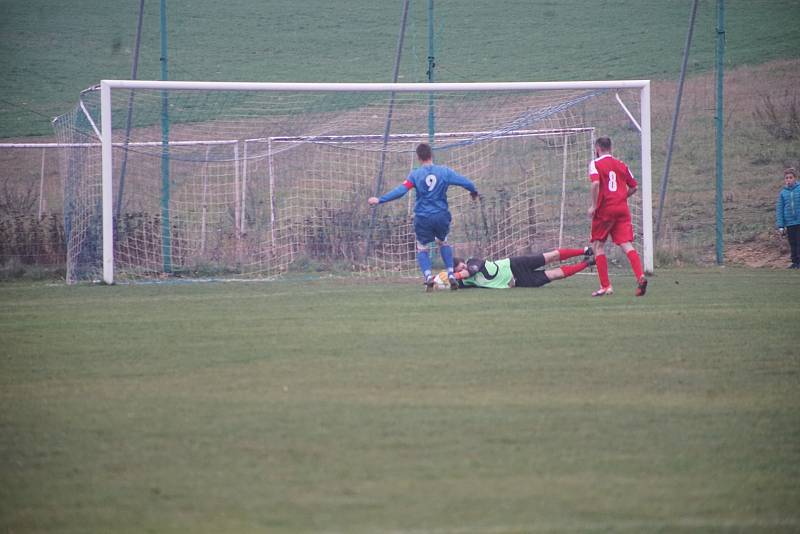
(520, 271)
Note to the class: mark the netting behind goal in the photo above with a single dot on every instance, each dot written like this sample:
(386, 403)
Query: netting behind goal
(229, 183)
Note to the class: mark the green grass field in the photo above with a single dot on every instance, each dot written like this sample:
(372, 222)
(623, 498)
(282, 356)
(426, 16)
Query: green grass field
(337, 405)
(350, 406)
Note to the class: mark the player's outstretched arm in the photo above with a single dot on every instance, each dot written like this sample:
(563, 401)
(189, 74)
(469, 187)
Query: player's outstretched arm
(466, 183)
(394, 194)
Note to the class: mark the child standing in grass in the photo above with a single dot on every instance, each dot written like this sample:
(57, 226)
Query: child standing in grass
(787, 214)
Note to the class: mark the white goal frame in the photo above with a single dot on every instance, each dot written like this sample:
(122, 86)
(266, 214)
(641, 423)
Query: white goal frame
(106, 86)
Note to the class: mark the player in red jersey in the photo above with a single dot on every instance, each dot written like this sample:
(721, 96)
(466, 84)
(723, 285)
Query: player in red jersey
(612, 184)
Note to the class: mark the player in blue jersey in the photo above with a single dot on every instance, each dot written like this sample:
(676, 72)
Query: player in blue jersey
(431, 212)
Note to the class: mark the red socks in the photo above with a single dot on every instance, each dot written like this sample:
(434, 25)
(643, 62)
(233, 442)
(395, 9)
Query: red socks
(569, 270)
(602, 270)
(636, 264)
(602, 267)
(567, 253)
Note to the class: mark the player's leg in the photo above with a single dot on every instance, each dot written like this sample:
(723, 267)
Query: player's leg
(441, 231)
(525, 269)
(793, 235)
(622, 234)
(533, 279)
(424, 262)
(636, 266)
(600, 231)
(561, 254)
(551, 256)
(423, 229)
(447, 257)
(633, 258)
(565, 271)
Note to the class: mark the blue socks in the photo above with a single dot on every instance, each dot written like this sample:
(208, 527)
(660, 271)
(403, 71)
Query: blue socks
(424, 261)
(447, 255)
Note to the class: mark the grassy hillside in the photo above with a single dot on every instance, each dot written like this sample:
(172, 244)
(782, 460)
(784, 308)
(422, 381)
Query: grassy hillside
(50, 50)
(755, 155)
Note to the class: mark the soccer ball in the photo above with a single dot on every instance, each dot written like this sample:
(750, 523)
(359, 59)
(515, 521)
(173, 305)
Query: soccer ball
(441, 281)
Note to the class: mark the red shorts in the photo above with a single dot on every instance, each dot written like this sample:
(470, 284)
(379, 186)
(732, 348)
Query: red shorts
(619, 227)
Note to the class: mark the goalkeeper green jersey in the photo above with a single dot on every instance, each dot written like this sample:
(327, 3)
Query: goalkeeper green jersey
(495, 275)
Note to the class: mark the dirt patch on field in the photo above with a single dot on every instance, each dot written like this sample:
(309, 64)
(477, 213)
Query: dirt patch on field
(770, 250)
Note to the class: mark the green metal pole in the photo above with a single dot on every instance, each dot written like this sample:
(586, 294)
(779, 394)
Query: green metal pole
(719, 125)
(431, 65)
(166, 235)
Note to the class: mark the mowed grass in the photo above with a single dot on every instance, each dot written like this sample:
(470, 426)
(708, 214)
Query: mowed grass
(347, 406)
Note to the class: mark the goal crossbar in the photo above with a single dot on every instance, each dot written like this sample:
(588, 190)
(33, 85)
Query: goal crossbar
(367, 87)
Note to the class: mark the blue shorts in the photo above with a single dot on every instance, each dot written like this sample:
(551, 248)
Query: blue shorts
(430, 227)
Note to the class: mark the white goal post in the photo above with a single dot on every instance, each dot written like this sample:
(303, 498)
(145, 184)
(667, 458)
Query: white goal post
(640, 87)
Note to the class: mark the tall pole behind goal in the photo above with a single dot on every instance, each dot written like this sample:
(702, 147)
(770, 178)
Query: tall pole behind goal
(431, 65)
(719, 123)
(166, 236)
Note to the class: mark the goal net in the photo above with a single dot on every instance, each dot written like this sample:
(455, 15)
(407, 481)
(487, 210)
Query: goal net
(204, 179)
